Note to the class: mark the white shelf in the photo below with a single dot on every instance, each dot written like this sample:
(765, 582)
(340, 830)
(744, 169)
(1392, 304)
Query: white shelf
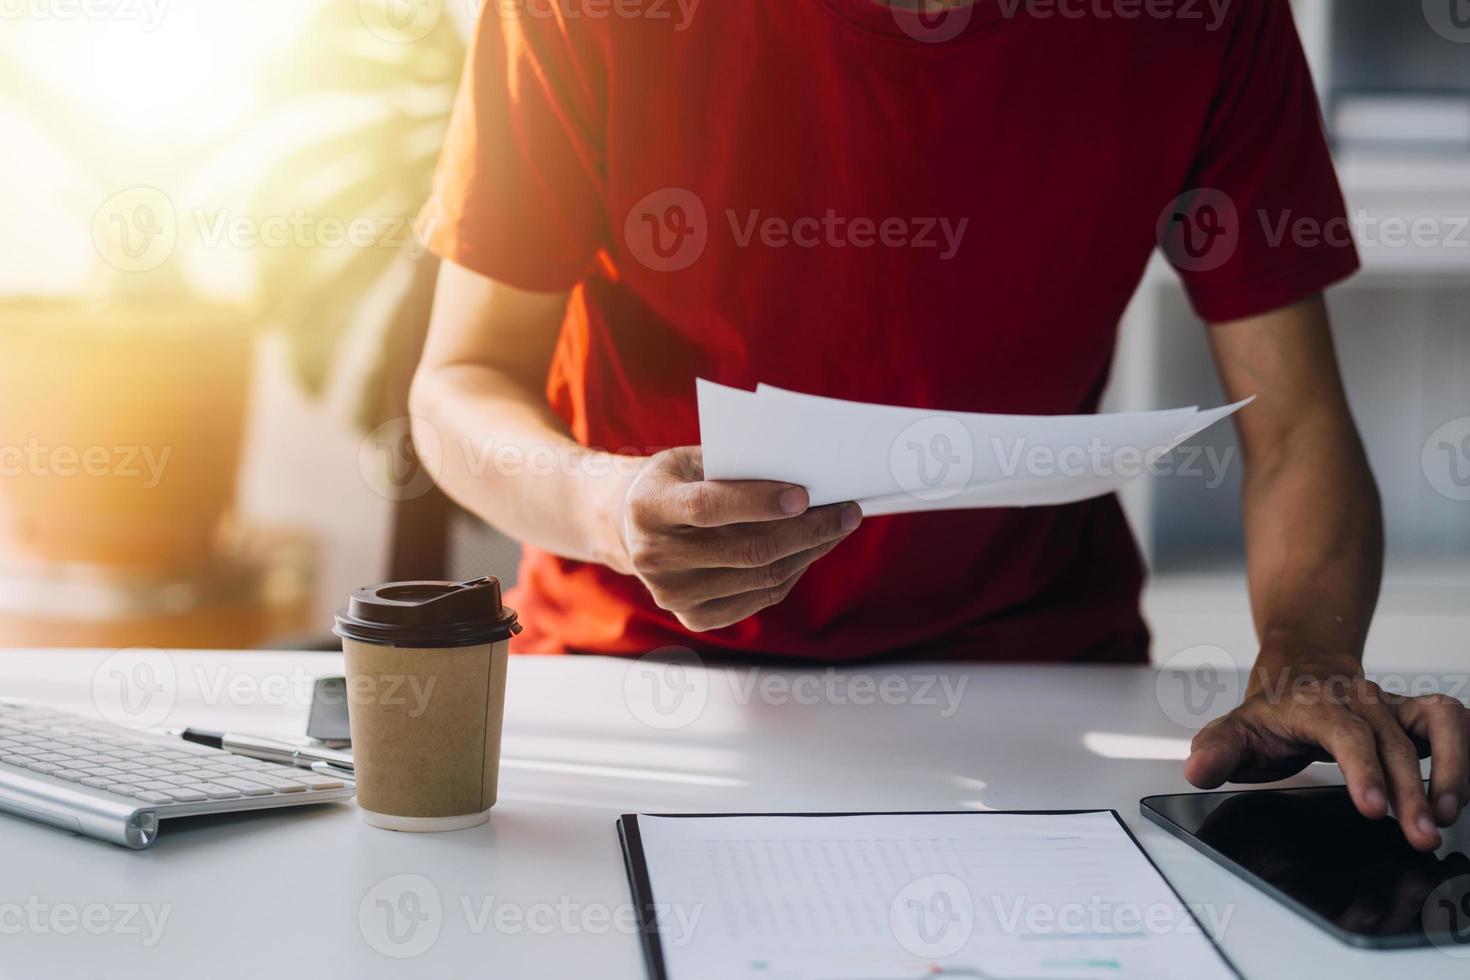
(1422, 623)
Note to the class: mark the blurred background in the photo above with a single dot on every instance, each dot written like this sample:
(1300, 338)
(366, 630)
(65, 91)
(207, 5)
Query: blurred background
(212, 297)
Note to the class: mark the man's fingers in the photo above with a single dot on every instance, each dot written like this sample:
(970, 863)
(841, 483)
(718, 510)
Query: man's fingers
(1401, 769)
(719, 613)
(705, 584)
(1444, 723)
(716, 503)
(1354, 747)
(758, 545)
(1215, 753)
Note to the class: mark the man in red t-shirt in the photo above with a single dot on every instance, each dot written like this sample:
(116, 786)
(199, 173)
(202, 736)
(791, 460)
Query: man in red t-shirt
(949, 210)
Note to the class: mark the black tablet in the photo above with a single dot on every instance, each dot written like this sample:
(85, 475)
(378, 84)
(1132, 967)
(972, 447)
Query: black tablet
(1313, 852)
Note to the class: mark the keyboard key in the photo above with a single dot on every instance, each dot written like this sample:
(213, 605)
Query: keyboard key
(245, 786)
(318, 781)
(216, 792)
(180, 795)
(36, 765)
(151, 797)
(278, 783)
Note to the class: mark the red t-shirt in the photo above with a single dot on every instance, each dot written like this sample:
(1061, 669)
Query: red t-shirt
(963, 207)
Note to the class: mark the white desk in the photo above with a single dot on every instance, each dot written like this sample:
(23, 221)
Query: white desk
(278, 895)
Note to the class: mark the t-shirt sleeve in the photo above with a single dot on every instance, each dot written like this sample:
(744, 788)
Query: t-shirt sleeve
(517, 193)
(1261, 222)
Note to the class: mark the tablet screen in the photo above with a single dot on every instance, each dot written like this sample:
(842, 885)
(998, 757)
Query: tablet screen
(1310, 849)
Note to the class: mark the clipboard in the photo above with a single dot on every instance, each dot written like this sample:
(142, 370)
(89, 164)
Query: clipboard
(640, 883)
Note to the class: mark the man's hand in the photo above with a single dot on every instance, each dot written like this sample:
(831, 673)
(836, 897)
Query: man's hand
(715, 552)
(1310, 712)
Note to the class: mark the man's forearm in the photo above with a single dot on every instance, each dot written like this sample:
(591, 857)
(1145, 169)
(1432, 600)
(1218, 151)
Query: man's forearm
(507, 458)
(1314, 537)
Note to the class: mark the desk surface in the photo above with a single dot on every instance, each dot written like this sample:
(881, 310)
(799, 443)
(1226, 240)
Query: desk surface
(530, 894)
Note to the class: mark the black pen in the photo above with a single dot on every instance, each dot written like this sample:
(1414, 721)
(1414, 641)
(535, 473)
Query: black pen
(269, 749)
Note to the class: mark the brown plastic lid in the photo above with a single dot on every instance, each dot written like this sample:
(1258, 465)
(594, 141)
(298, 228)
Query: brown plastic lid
(428, 614)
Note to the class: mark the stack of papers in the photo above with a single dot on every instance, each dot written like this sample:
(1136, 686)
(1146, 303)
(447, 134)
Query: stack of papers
(894, 460)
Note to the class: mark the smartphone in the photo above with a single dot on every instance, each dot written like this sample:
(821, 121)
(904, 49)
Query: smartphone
(327, 722)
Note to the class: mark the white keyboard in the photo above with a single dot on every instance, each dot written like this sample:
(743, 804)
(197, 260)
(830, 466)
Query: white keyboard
(116, 783)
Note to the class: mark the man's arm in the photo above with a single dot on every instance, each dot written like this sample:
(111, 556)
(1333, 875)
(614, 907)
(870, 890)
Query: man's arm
(1314, 544)
(711, 552)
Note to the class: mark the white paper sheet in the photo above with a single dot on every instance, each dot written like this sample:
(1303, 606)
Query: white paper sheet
(892, 459)
(887, 897)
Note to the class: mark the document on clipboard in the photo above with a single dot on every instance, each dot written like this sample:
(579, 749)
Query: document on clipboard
(907, 896)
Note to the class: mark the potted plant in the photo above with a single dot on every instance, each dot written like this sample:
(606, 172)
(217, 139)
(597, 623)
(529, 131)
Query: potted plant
(122, 408)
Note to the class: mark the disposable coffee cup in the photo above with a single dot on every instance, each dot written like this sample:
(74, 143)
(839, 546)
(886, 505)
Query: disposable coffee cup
(425, 700)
